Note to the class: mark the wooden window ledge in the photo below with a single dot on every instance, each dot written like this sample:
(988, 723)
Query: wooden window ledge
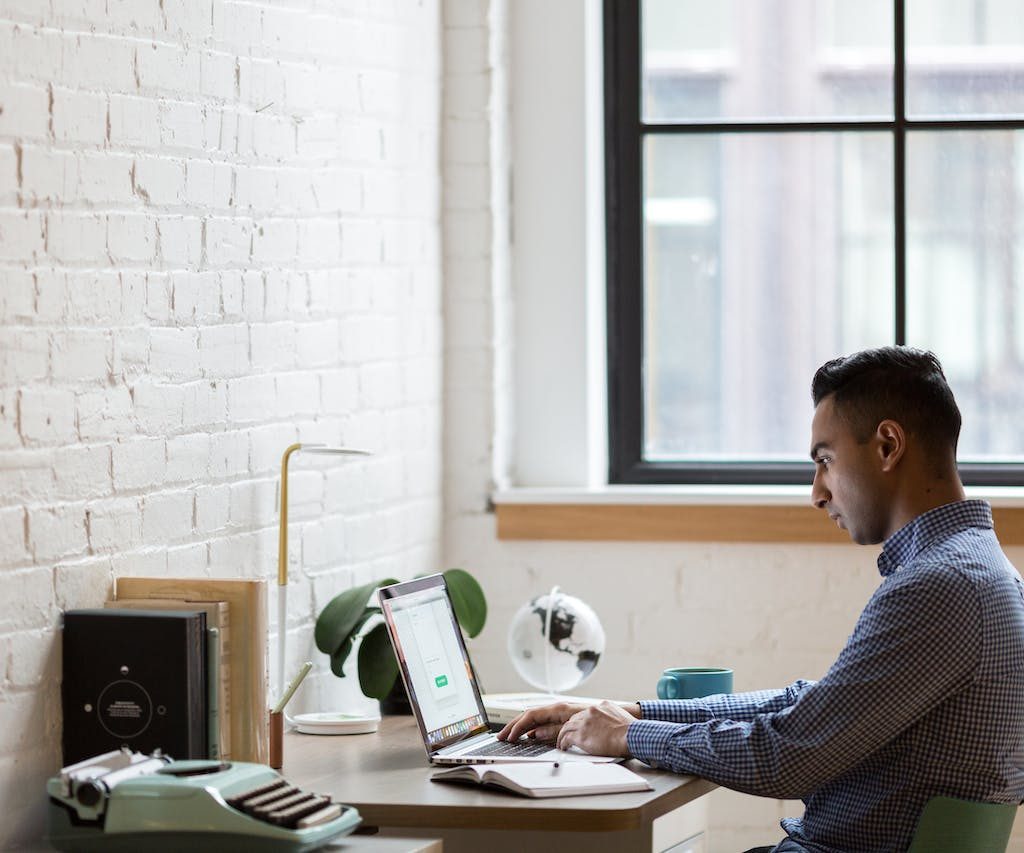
(698, 514)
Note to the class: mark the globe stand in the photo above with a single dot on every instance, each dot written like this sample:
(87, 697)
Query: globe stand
(552, 600)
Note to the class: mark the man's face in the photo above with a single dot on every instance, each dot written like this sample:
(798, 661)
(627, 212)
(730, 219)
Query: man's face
(847, 478)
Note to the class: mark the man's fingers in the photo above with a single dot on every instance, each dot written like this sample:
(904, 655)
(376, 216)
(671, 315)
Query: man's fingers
(565, 732)
(563, 741)
(522, 725)
(517, 727)
(532, 719)
(545, 723)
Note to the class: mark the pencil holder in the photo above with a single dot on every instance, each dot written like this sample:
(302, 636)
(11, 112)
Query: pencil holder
(276, 739)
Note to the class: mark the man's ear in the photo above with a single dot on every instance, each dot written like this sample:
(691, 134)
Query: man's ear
(892, 444)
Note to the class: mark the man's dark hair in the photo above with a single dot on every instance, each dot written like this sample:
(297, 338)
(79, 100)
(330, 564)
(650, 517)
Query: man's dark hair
(904, 384)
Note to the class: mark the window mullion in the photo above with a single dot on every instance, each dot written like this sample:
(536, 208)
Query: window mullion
(899, 80)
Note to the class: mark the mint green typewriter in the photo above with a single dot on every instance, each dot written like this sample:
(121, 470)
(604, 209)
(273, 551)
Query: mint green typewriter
(128, 801)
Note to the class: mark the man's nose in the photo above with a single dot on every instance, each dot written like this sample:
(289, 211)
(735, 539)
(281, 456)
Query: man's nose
(820, 496)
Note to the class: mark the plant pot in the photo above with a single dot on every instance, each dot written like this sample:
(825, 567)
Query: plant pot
(397, 700)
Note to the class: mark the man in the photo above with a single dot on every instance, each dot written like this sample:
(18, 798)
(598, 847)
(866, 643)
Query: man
(927, 697)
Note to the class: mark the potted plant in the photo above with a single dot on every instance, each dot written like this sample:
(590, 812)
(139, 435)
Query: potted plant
(341, 622)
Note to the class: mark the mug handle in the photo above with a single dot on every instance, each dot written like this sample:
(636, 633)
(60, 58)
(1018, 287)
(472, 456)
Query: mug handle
(668, 688)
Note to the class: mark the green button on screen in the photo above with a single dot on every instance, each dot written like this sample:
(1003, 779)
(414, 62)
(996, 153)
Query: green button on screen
(441, 680)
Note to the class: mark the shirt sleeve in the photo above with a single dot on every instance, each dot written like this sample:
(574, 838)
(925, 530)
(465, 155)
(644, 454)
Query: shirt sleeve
(916, 643)
(732, 706)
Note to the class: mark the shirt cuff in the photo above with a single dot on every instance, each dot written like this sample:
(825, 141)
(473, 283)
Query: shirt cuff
(648, 740)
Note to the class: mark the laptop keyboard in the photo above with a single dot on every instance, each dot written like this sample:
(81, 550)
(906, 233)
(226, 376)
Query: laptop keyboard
(516, 749)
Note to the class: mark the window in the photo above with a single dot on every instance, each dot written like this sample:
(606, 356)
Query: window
(787, 181)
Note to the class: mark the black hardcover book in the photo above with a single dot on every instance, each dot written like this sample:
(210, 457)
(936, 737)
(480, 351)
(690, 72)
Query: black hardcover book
(134, 678)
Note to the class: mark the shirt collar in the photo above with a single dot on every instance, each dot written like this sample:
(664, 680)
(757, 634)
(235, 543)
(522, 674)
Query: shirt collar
(939, 523)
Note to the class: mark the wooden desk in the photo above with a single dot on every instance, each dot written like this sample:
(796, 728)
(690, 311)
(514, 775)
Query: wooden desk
(386, 776)
(348, 844)
(366, 844)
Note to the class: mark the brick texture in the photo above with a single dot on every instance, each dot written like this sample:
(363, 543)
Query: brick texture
(219, 234)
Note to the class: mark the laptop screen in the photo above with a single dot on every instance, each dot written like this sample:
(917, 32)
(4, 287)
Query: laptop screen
(434, 662)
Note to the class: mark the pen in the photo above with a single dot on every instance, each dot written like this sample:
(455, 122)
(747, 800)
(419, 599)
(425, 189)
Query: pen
(290, 690)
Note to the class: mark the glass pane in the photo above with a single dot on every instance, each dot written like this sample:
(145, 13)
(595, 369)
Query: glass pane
(965, 58)
(965, 277)
(764, 256)
(766, 59)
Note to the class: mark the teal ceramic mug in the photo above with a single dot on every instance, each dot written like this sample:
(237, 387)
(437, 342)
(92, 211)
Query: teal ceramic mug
(692, 682)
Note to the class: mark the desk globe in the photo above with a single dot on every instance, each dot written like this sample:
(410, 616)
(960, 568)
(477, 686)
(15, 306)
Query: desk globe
(555, 641)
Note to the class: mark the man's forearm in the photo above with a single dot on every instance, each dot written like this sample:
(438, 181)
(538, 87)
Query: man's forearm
(726, 706)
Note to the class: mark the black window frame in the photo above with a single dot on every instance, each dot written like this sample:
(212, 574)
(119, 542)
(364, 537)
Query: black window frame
(624, 135)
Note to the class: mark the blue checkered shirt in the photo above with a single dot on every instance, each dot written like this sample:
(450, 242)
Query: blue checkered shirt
(926, 699)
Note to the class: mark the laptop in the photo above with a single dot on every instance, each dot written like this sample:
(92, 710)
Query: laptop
(441, 682)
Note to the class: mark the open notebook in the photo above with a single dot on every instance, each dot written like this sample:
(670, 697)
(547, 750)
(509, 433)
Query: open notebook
(548, 780)
(439, 678)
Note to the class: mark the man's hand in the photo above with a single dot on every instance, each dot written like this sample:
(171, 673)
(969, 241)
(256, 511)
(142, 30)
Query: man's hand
(540, 723)
(597, 729)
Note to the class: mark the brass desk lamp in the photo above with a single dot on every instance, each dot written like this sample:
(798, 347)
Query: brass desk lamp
(282, 555)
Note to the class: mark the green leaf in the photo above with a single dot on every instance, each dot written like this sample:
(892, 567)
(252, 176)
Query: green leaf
(340, 655)
(468, 600)
(343, 613)
(377, 667)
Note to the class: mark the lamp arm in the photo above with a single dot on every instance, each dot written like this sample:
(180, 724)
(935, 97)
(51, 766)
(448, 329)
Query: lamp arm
(282, 567)
(282, 539)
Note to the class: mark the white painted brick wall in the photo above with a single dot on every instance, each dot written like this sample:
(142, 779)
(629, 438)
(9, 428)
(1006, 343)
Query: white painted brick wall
(219, 234)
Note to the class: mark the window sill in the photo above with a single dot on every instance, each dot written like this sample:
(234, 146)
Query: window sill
(698, 514)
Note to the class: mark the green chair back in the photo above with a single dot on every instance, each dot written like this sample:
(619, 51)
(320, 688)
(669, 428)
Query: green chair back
(958, 826)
